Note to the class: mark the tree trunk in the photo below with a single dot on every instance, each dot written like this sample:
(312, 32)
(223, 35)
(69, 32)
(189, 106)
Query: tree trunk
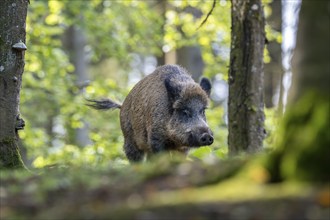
(246, 106)
(75, 42)
(273, 69)
(161, 8)
(190, 57)
(307, 155)
(12, 44)
(303, 150)
(311, 57)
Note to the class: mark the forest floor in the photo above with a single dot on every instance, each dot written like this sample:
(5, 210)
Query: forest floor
(165, 189)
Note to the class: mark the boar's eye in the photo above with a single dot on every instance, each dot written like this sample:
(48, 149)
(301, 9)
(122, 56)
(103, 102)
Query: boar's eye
(185, 113)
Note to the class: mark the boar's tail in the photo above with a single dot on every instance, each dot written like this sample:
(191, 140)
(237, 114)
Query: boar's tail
(103, 104)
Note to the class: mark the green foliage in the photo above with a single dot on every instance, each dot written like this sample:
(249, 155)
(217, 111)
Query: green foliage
(181, 29)
(51, 102)
(271, 126)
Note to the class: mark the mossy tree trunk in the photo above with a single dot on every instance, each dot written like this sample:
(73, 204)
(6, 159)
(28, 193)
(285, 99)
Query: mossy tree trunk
(246, 105)
(304, 148)
(12, 46)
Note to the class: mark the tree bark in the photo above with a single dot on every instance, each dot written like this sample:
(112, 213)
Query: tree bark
(12, 43)
(246, 105)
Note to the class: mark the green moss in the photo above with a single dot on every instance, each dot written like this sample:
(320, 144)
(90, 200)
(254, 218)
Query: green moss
(9, 154)
(304, 151)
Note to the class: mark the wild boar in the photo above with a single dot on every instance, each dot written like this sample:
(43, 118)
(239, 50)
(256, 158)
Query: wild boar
(164, 111)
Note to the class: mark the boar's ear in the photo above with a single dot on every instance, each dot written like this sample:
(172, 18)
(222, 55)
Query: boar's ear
(206, 85)
(173, 89)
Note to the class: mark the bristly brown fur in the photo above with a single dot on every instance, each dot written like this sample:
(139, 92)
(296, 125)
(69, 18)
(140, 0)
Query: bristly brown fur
(190, 92)
(193, 91)
(148, 120)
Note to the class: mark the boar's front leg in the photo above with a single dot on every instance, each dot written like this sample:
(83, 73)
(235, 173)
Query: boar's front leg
(132, 152)
(156, 143)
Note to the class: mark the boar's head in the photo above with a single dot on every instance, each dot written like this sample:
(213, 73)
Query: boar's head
(188, 100)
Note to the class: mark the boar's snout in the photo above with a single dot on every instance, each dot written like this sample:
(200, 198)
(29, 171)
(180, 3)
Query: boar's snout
(201, 137)
(206, 139)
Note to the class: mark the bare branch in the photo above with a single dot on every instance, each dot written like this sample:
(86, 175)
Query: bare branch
(208, 14)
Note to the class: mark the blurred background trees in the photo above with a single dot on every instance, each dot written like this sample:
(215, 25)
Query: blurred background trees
(101, 48)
